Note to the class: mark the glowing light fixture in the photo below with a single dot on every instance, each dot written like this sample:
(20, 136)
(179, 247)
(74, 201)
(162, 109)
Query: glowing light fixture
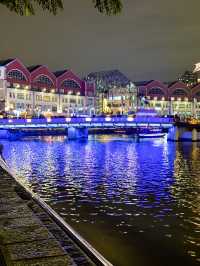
(28, 120)
(108, 119)
(68, 119)
(88, 119)
(130, 119)
(10, 121)
(69, 92)
(48, 119)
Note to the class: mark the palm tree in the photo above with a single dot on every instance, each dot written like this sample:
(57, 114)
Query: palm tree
(27, 7)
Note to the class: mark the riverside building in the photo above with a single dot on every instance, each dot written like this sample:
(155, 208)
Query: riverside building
(36, 90)
(175, 98)
(115, 93)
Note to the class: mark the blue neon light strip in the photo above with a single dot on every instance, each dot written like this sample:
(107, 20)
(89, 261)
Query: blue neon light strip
(85, 121)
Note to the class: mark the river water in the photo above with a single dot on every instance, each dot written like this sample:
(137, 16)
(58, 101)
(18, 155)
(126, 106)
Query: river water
(138, 203)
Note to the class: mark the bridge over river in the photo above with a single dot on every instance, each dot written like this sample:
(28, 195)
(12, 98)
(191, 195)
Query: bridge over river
(77, 127)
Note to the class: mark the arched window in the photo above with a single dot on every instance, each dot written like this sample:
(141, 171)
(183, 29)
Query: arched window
(179, 92)
(17, 75)
(70, 84)
(44, 81)
(156, 91)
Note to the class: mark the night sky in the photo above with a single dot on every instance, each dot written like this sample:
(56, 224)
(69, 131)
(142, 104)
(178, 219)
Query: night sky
(151, 39)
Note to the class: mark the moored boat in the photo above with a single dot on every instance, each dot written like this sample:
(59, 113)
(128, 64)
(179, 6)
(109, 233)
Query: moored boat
(151, 133)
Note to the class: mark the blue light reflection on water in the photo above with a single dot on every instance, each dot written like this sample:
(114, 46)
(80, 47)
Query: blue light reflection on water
(120, 161)
(116, 188)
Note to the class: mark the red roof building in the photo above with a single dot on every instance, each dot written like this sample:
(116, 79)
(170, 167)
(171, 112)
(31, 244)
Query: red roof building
(37, 88)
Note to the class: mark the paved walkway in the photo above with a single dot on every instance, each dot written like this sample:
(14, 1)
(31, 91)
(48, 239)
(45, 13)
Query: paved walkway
(28, 236)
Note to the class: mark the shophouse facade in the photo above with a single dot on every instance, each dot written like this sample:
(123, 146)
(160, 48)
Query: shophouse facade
(37, 90)
(175, 98)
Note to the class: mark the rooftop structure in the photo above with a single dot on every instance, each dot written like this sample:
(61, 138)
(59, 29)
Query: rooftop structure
(110, 78)
(115, 93)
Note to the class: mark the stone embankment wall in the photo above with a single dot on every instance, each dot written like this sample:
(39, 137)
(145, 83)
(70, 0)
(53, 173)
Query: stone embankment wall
(28, 235)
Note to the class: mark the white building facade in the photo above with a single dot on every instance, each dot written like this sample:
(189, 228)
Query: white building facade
(35, 90)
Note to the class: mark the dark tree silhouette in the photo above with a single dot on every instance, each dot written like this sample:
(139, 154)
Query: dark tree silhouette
(109, 7)
(27, 7)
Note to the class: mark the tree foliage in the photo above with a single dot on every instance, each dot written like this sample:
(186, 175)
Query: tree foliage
(109, 7)
(27, 7)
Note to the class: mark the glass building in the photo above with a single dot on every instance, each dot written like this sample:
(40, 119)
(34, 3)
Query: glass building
(115, 93)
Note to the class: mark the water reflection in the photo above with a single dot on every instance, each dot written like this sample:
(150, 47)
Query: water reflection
(133, 200)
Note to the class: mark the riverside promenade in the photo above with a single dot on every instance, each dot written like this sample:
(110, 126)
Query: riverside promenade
(28, 234)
